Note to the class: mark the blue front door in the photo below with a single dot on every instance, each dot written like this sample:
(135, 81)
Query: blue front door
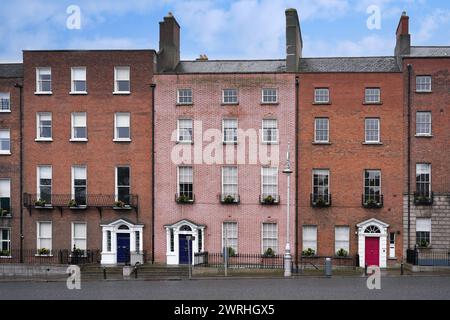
(183, 249)
(123, 247)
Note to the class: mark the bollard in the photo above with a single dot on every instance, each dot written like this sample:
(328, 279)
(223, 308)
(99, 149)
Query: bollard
(104, 273)
(365, 270)
(135, 272)
(401, 269)
(328, 267)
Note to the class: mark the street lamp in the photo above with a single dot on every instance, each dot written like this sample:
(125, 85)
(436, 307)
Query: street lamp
(189, 239)
(287, 252)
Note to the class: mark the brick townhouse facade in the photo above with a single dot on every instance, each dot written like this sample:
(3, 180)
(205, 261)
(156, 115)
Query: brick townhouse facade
(10, 156)
(144, 156)
(87, 157)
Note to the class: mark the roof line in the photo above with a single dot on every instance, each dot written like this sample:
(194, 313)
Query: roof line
(232, 60)
(347, 57)
(88, 50)
(430, 46)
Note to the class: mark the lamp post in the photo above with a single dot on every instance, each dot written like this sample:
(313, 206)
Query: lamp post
(287, 252)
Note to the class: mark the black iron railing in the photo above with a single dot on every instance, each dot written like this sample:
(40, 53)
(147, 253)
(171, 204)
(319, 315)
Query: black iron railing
(91, 200)
(371, 201)
(240, 260)
(51, 257)
(428, 257)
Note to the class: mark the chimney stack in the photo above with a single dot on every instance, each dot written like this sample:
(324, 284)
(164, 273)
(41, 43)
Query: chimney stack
(169, 44)
(294, 42)
(403, 45)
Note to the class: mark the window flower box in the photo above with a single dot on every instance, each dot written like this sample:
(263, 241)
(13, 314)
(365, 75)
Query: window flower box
(184, 199)
(269, 199)
(319, 201)
(423, 200)
(372, 202)
(120, 205)
(229, 199)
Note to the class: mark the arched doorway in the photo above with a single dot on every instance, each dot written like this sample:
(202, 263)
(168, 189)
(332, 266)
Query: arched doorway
(372, 243)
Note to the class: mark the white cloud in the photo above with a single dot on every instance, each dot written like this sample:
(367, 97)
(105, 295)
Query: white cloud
(431, 23)
(107, 43)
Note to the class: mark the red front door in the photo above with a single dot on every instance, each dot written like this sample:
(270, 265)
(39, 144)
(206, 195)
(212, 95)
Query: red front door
(372, 251)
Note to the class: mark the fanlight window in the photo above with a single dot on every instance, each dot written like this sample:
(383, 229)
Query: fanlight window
(372, 229)
(123, 227)
(185, 228)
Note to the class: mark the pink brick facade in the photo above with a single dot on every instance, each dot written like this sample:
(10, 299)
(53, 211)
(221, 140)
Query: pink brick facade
(207, 210)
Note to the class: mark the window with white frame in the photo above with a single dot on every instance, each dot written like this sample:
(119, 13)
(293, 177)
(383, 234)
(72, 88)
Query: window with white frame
(269, 131)
(185, 182)
(310, 238)
(79, 185)
(230, 182)
(423, 83)
(321, 185)
(44, 237)
(269, 95)
(229, 96)
(44, 126)
(184, 96)
(423, 179)
(108, 241)
(372, 130)
(122, 79)
(5, 104)
(372, 186)
(123, 188)
(321, 95)
(79, 80)
(5, 141)
(5, 242)
(269, 238)
(79, 126)
(372, 95)
(230, 130)
(423, 232)
(423, 123)
(122, 130)
(137, 239)
(79, 235)
(185, 130)
(269, 182)
(342, 239)
(5, 197)
(43, 80)
(230, 236)
(321, 130)
(44, 184)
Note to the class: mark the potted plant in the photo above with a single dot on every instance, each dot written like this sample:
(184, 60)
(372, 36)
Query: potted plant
(309, 252)
(269, 200)
(119, 204)
(3, 212)
(184, 199)
(5, 253)
(269, 253)
(40, 203)
(229, 199)
(342, 253)
(424, 243)
(320, 201)
(72, 203)
(43, 252)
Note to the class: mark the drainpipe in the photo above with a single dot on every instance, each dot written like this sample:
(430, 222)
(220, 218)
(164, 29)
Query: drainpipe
(153, 86)
(409, 155)
(297, 85)
(20, 86)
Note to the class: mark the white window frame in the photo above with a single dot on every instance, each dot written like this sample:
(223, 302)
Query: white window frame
(231, 184)
(179, 131)
(6, 96)
(116, 180)
(264, 96)
(346, 247)
(373, 92)
(322, 172)
(73, 115)
(420, 167)
(6, 152)
(267, 238)
(378, 121)
(272, 129)
(234, 128)
(236, 248)
(8, 241)
(178, 179)
(264, 195)
(179, 96)
(73, 181)
(428, 227)
(38, 84)
(39, 237)
(116, 138)
(320, 93)
(38, 180)
(236, 91)
(314, 241)
(116, 86)
(72, 82)
(429, 124)
(423, 86)
(39, 115)
(316, 120)
(75, 239)
(6, 194)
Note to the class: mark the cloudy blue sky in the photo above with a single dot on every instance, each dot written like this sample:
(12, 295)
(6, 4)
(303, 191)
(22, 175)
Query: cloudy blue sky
(238, 29)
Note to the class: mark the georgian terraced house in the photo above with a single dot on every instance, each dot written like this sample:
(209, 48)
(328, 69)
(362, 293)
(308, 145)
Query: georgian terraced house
(146, 157)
